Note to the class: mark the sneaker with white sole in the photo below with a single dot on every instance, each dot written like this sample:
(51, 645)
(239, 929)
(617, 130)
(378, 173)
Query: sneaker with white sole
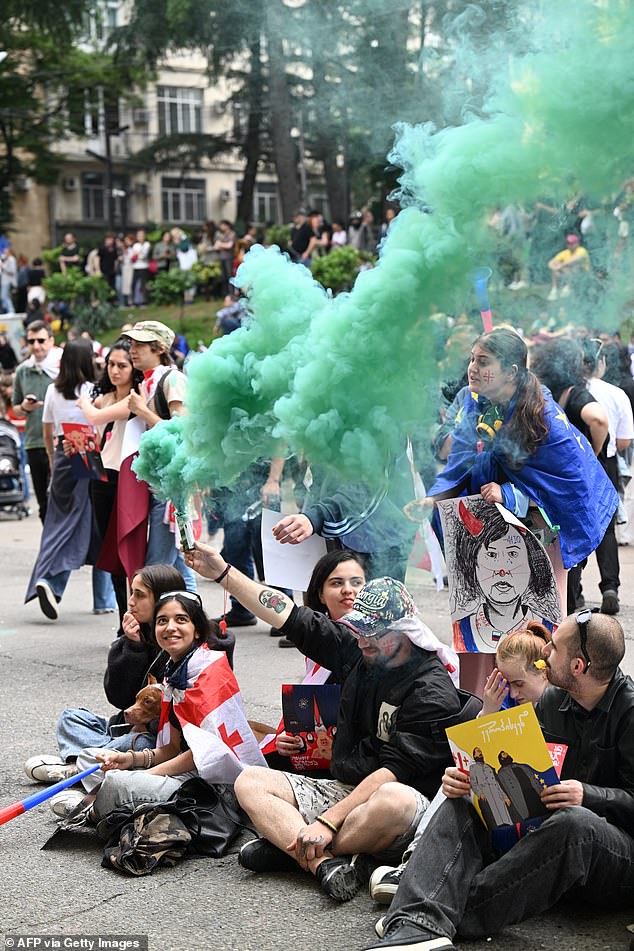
(64, 803)
(47, 599)
(384, 883)
(403, 936)
(49, 769)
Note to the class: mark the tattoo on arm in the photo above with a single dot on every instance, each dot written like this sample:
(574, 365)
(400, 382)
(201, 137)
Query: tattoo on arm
(272, 600)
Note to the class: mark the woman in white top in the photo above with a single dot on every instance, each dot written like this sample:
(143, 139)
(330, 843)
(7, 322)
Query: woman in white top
(140, 268)
(66, 537)
(118, 381)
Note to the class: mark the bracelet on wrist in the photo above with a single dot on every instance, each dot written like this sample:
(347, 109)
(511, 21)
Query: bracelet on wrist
(223, 575)
(329, 825)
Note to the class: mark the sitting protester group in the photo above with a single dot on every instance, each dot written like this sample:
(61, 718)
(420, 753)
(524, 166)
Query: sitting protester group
(391, 799)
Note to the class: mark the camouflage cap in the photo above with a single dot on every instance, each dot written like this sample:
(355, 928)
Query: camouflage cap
(151, 331)
(377, 606)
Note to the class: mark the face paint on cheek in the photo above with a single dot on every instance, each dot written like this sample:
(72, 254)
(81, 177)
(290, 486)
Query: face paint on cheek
(488, 376)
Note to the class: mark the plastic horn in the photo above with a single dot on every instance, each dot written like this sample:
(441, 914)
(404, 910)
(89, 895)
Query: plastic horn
(481, 282)
(17, 808)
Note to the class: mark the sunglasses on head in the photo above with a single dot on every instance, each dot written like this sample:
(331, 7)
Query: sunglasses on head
(32, 340)
(189, 595)
(583, 618)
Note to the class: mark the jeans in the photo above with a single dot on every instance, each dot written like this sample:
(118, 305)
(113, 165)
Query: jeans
(103, 598)
(453, 882)
(242, 548)
(58, 583)
(6, 301)
(78, 728)
(161, 546)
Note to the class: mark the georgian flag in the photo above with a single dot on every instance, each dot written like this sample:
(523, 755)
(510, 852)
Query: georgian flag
(212, 718)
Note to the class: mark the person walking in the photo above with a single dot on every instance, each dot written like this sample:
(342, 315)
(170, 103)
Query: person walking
(66, 538)
(32, 380)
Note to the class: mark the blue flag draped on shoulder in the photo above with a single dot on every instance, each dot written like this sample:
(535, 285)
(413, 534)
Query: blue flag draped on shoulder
(563, 476)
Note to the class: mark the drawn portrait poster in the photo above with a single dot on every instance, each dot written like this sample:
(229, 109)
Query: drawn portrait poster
(508, 763)
(499, 574)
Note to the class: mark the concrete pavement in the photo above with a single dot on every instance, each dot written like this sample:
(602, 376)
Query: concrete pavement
(201, 903)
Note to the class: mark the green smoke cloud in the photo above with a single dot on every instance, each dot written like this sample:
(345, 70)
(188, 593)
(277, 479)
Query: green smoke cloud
(344, 380)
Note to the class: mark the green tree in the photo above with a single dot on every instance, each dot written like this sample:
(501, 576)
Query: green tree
(43, 84)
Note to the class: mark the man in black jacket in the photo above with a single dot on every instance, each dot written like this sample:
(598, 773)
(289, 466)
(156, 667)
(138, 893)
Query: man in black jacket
(454, 884)
(390, 750)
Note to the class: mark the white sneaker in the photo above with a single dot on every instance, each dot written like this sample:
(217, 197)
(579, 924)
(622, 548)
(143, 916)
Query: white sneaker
(566, 291)
(554, 294)
(49, 769)
(66, 802)
(47, 599)
(384, 882)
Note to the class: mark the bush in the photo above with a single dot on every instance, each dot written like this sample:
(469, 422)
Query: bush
(279, 235)
(207, 275)
(88, 299)
(50, 256)
(338, 270)
(168, 287)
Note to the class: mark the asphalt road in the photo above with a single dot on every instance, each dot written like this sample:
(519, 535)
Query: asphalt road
(202, 903)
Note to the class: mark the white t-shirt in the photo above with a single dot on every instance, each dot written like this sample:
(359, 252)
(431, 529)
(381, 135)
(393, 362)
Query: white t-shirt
(617, 405)
(57, 410)
(140, 251)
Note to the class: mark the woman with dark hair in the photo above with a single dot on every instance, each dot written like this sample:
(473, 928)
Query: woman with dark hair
(67, 534)
(133, 655)
(559, 365)
(515, 446)
(202, 729)
(336, 579)
(119, 379)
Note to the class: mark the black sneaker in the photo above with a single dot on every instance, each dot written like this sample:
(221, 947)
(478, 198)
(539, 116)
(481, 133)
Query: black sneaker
(260, 855)
(610, 603)
(233, 621)
(275, 632)
(285, 642)
(403, 936)
(47, 599)
(338, 878)
(384, 883)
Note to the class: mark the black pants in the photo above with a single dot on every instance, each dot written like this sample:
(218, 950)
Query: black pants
(40, 476)
(607, 552)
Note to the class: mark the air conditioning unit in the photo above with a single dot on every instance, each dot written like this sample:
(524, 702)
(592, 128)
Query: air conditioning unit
(22, 183)
(140, 189)
(225, 195)
(70, 183)
(141, 116)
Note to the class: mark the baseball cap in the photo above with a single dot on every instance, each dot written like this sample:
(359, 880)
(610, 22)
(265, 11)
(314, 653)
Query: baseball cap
(377, 606)
(151, 331)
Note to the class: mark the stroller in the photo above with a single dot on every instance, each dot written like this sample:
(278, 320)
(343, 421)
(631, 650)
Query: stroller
(11, 479)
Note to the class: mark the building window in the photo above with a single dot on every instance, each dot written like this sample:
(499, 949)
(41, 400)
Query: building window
(101, 20)
(179, 109)
(93, 197)
(183, 199)
(265, 203)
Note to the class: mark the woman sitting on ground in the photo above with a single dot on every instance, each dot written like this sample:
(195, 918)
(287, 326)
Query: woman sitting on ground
(131, 658)
(333, 586)
(202, 730)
